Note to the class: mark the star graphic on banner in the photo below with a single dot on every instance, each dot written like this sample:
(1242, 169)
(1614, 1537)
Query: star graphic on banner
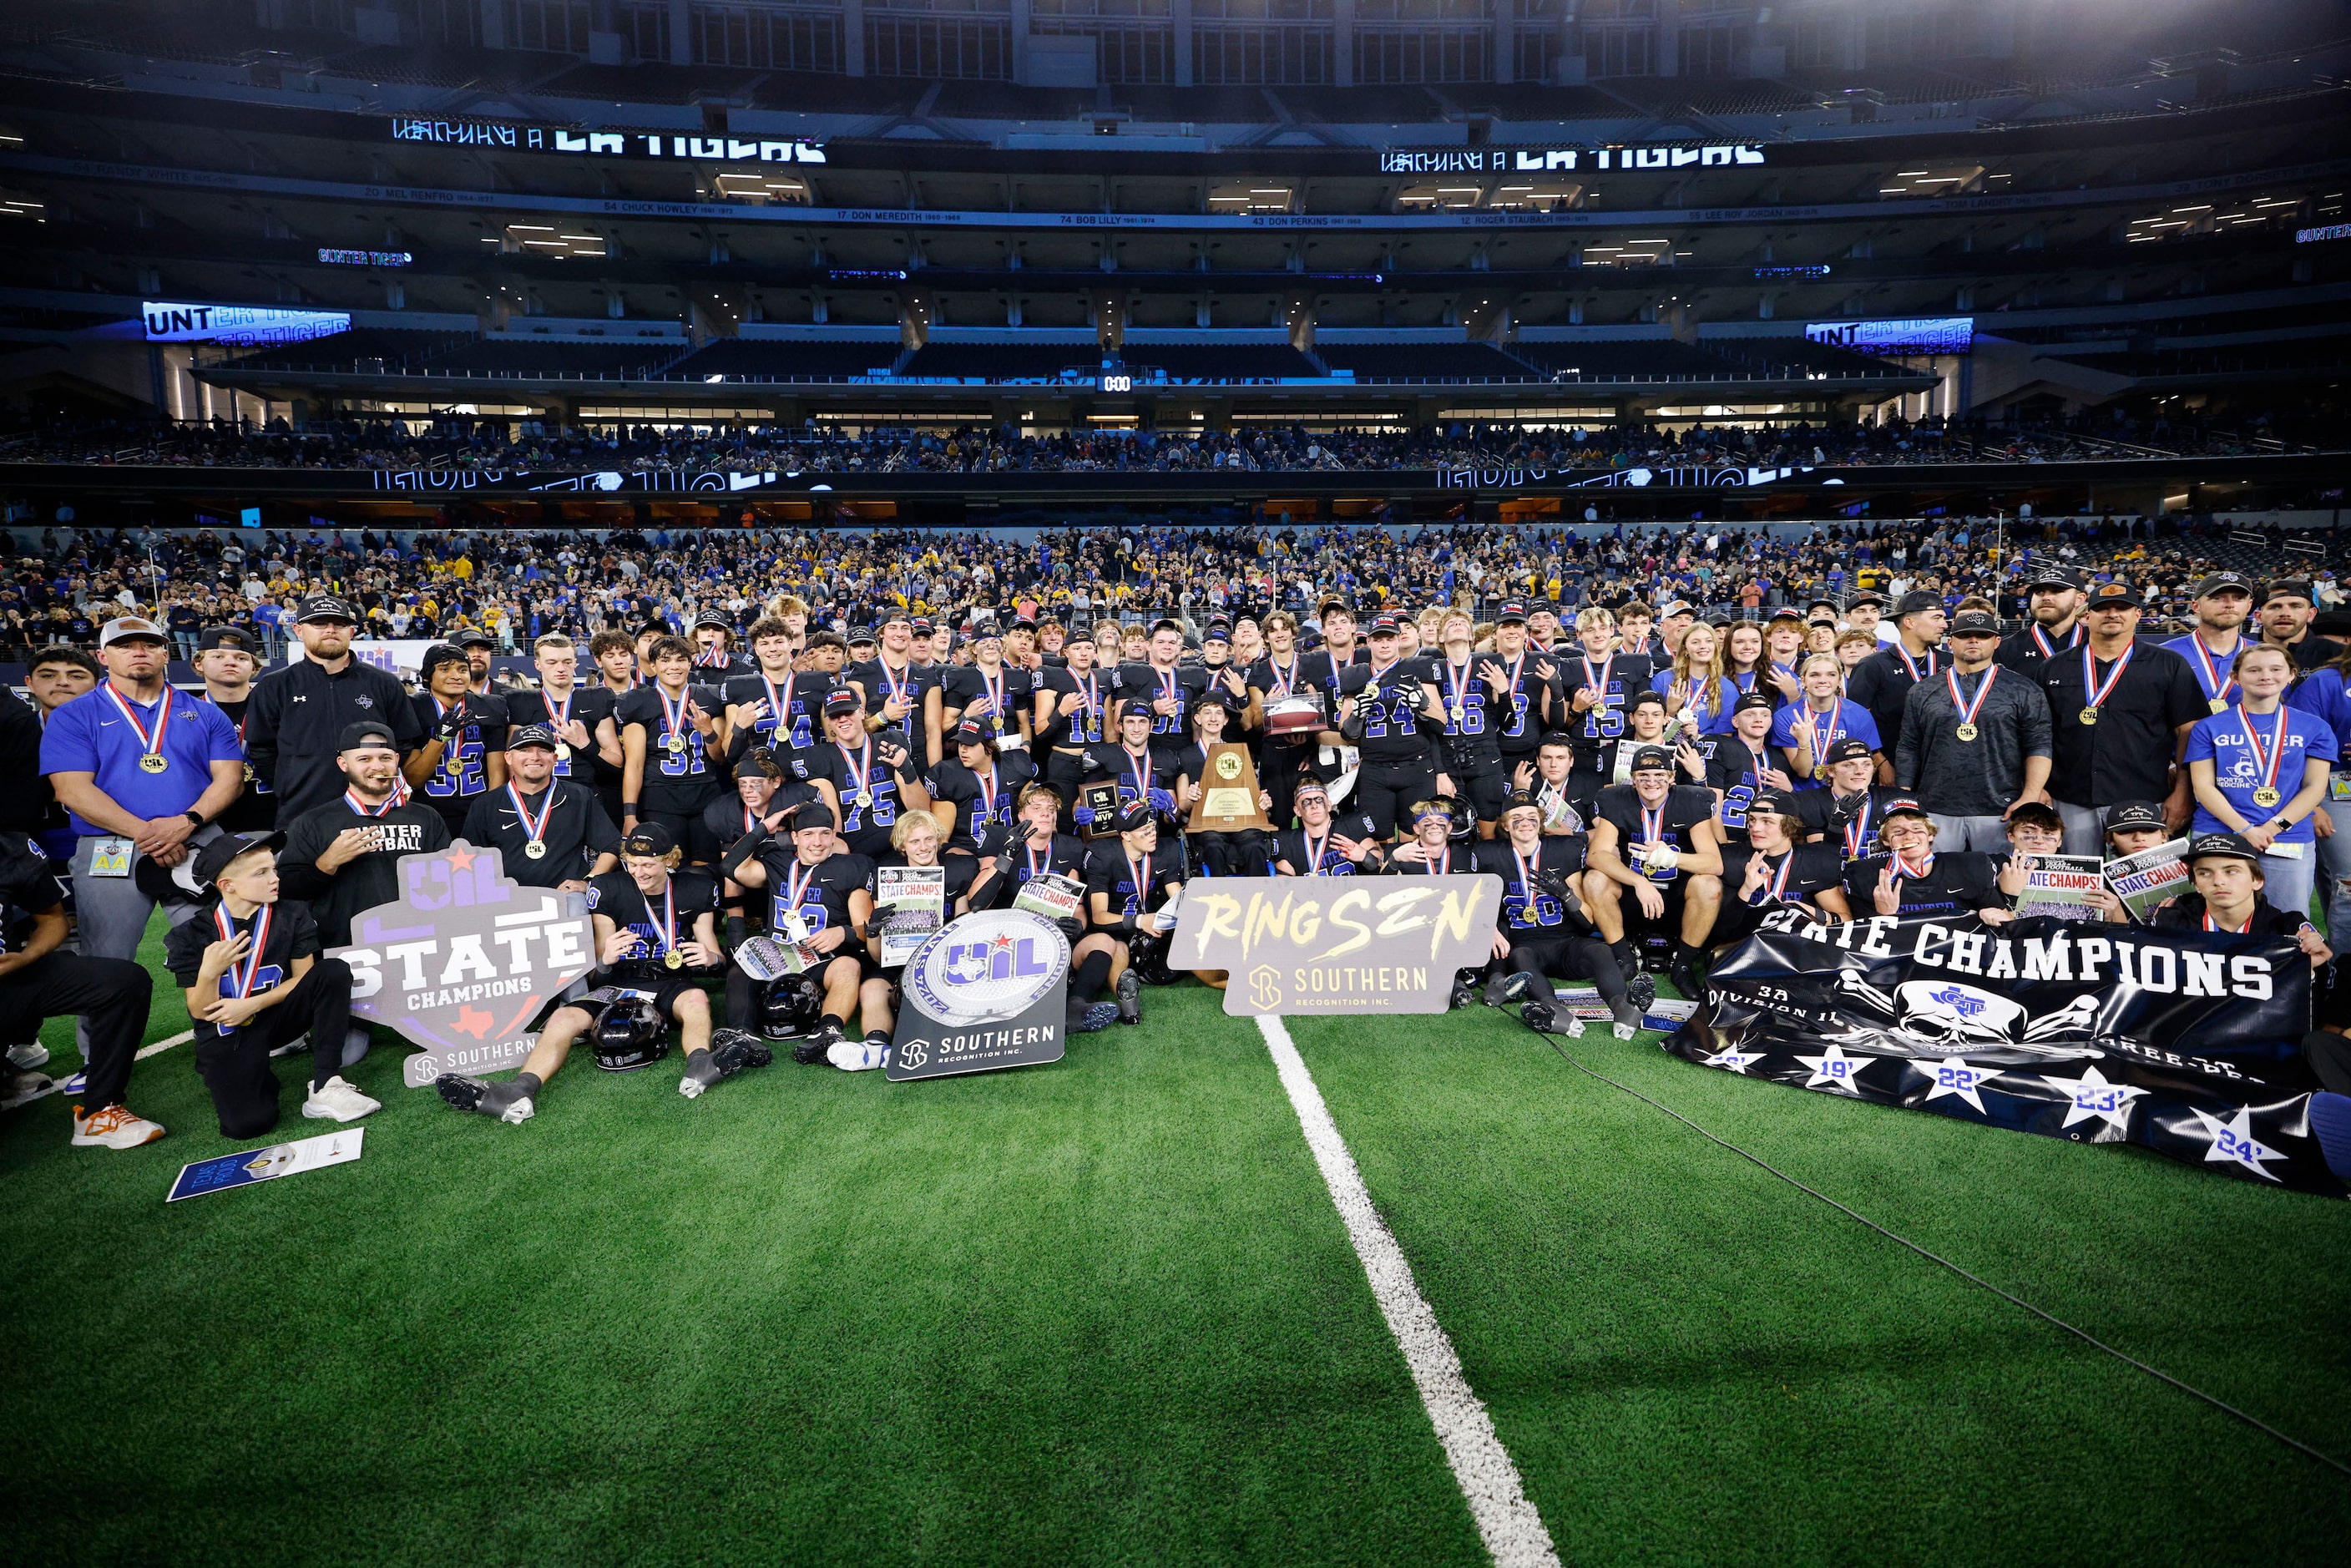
(1736, 1060)
(461, 859)
(2094, 1096)
(2233, 1142)
(1004, 941)
(1835, 1069)
(473, 1020)
(1957, 1075)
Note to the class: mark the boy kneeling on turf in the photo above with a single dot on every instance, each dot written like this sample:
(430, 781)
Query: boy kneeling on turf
(656, 937)
(255, 981)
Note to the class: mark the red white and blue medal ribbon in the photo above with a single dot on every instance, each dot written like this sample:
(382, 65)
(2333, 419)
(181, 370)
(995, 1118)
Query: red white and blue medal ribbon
(1911, 665)
(2048, 649)
(1815, 726)
(1775, 888)
(2217, 685)
(2265, 763)
(779, 703)
(242, 975)
(995, 692)
(673, 723)
(535, 828)
(1902, 868)
(1139, 770)
(364, 810)
(2212, 924)
(1969, 709)
(1857, 833)
(2094, 694)
(149, 745)
(1316, 849)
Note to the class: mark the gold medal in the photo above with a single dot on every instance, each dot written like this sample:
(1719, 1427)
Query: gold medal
(2266, 796)
(250, 773)
(562, 751)
(1967, 732)
(1459, 713)
(2089, 716)
(153, 762)
(2220, 704)
(675, 743)
(536, 849)
(674, 959)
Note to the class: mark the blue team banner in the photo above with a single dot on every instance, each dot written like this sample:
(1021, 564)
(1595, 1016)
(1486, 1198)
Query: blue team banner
(2189, 1043)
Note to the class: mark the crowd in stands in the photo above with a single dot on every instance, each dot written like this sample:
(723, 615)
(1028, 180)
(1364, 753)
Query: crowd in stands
(508, 445)
(63, 584)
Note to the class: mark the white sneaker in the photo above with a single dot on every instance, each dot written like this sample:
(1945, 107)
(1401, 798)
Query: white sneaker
(113, 1128)
(30, 1054)
(857, 1055)
(521, 1111)
(336, 1101)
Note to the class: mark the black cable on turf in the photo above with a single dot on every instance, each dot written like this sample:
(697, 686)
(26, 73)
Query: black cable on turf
(1976, 1280)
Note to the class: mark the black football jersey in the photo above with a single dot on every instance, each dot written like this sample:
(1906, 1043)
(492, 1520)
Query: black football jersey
(659, 921)
(982, 799)
(1530, 911)
(1388, 701)
(855, 772)
(590, 706)
(1791, 877)
(464, 757)
(1089, 723)
(1953, 883)
(1684, 807)
(1318, 854)
(1108, 869)
(820, 892)
(677, 777)
(1017, 859)
(1851, 823)
(1185, 682)
(792, 715)
(971, 691)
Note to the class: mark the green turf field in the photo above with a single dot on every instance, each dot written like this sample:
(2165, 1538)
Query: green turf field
(1104, 1312)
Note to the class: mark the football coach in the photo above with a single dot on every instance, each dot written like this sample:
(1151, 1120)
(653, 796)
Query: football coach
(141, 769)
(294, 729)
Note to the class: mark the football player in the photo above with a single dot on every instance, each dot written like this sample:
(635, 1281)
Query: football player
(1129, 885)
(1660, 841)
(820, 898)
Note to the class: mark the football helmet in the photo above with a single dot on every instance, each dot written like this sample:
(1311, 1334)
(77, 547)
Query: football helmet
(630, 1033)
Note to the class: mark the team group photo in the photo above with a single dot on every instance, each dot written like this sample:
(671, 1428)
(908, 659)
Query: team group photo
(1567, 785)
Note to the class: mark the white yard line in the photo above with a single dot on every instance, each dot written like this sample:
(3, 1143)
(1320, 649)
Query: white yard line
(1514, 1532)
(182, 1038)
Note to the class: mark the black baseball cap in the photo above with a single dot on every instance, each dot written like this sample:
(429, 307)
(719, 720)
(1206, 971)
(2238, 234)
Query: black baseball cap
(1974, 624)
(2223, 582)
(1847, 747)
(1513, 612)
(326, 607)
(235, 638)
(473, 637)
(2108, 595)
(840, 702)
(1132, 815)
(1917, 602)
(983, 632)
(537, 735)
(1219, 631)
(2054, 576)
(1870, 598)
(1754, 698)
(213, 859)
(1781, 802)
(438, 654)
(1386, 626)
(2288, 588)
(1516, 798)
(1652, 757)
(650, 840)
(1904, 805)
(1134, 705)
(861, 637)
(1166, 624)
(2135, 816)
(2222, 846)
(366, 735)
(970, 732)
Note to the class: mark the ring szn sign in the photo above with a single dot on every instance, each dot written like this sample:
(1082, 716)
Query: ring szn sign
(465, 960)
(1307, 945)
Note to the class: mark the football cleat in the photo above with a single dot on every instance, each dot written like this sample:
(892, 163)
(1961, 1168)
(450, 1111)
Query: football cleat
(1641, 990)
(1628, 1020)
(1498, 990)
(1094, 1018)
(1130, 998)
(731, 1050)
(1541, 1017)
(1684, 975)
(1516, 984)
(812, 1050)
(1465, 993)
(463, 1094)
(859, 1055)
(1628, 960)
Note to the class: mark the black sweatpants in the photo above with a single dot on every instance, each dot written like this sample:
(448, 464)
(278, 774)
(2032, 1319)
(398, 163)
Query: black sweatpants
(1387, 791)
(1239, 853)
(235, 1066)
(1568, 959)
(111, 993)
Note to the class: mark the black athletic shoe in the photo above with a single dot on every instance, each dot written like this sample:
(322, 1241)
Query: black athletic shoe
(1627, 1019)
(731, 1050)
(1642, 991)
(811, 1050)
(1498, 990)
(1628, 959)
(1465, 992)
(462, 1093)
(1541, 1017)
(1092, 1018)
(1130, 998)
(1683, 973)
(1516, 984)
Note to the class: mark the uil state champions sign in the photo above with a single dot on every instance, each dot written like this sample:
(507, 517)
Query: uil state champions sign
(987, 991)
(2189, 1043)
(464, 960)
(1311, 944)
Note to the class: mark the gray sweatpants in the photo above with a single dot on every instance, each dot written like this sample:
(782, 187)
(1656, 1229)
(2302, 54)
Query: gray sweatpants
(2085, 828)
(1985, 835)
(112, 913)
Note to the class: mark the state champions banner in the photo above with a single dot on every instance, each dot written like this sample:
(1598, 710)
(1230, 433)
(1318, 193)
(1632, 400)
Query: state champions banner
(2189, 1043)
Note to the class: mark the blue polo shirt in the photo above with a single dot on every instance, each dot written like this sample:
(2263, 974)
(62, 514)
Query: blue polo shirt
(1851, 719)
(89, 735)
